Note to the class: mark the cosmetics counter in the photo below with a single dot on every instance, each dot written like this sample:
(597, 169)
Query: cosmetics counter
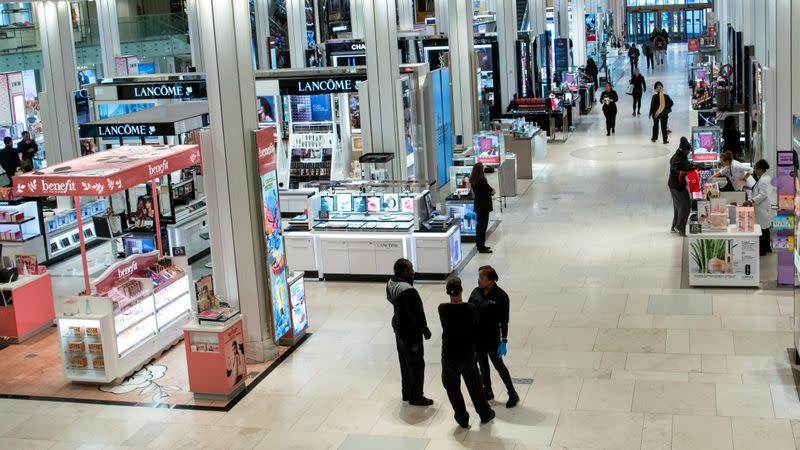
(137, 309)
(27, 306)
(358, 234)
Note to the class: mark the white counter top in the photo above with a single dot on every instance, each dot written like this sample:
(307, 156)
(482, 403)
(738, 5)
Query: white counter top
(211, 327)
(732, 232)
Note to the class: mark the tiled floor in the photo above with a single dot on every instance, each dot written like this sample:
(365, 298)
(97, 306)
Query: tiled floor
(622, 357)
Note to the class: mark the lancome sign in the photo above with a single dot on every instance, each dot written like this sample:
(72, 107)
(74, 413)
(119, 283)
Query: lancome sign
(328, 85)
(166, 90)
(97, 130)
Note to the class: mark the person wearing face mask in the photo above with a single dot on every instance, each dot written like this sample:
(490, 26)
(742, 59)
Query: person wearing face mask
(660, 108)
(410, 326)
(609, 99)
(760, 201)
(492, 341)
(679, 166)
(459, 328)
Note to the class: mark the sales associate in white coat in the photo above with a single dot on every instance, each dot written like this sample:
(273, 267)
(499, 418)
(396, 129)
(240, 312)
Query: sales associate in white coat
(733, 170)
(760, 200)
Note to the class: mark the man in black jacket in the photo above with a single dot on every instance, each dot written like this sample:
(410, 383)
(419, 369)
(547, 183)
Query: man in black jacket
(679, 166)
(9, 158)
(459, 328)
(410, 327)
(492, 340)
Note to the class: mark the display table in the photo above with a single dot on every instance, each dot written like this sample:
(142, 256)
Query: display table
(215, 358)
(29, 307)
(438, 253)
(523, 147)
(724, 258)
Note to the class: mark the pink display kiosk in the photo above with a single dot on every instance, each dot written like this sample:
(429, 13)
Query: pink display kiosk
(104, 338)
(27, 307)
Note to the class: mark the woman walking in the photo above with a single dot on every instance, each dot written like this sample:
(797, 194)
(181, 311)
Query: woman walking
(660, 107)
(492, 340)
(639, 86)
(679, 166)
(609, 99)
(482, 202)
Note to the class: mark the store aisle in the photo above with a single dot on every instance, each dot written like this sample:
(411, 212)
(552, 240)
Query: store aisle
(618, 355)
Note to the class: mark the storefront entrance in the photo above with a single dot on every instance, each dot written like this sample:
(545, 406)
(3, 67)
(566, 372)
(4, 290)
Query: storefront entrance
(682, 23)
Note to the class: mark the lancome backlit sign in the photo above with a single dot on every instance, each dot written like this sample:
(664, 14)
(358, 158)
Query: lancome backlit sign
(167, 90)
(95, 130)
(315, 86)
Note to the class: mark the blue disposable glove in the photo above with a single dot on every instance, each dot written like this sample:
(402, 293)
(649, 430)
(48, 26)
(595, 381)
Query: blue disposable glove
(502, 350)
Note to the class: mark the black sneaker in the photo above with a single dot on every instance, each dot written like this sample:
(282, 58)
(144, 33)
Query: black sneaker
(422, 401)
(489, 417)
(463, 422)
(513, 399)
(489, 395)
(485, 250)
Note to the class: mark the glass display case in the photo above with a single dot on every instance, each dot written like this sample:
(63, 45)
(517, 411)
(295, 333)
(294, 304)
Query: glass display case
(61, 229)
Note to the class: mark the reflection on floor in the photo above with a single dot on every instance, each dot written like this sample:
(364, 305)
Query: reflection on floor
(622, 357)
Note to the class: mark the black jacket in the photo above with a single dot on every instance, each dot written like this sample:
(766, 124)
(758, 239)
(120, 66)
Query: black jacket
(633, 54)
(9, 160)
(731, 141)
(654, 103)
(459, 328)
(483, 196)
(613, 96)
(27, 150)
(638, 83)
(679, 166)
(408, 321)
(493, 314)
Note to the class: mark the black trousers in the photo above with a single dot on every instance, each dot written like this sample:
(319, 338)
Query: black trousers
(634, 66)
(681, 205)
(453, 370)
(662, 120)
(637, 102)
(412, 366)
(611, 118)
(481, 225)
(764, 242)
(499, 365)
(650, 62)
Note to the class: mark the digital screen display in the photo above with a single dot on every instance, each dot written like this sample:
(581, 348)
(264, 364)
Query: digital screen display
(373, 204)
(344, 202)
(407, 204)
(327, 204)
(105, 111)
(391, 202)
(138, 245)
(360, 204)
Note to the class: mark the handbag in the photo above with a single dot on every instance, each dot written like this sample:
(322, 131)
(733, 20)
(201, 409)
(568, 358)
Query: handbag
(629, 91)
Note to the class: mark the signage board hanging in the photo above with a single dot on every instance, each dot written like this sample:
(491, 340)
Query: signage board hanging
(326, 85)
(165, 90)
(97, 130)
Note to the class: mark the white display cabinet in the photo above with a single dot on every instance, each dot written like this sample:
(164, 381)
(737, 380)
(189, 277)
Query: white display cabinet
(109, 336)
(20, 229)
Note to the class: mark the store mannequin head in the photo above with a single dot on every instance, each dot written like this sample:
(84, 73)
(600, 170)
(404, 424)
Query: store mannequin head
(487, 277)
(726, 159)
(761, 168)
(476, 174)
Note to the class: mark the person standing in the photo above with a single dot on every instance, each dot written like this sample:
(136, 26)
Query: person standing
(731, 137)
(759, 200)
(482, 203)
(9, 158)
(410, 327)
(639, 86)
(492, 339)
(609, 99)
(679, 166)
(633, 54)
(648, 53)
(27, 149)
(733, 170)
(459, 328)
(591, 71)
(660, 108)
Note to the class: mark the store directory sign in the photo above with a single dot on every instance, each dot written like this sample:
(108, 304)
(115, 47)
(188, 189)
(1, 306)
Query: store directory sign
(273, 234)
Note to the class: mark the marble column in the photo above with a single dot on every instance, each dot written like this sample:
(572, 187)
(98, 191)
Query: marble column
(231, 171)
(108, 27)
(506, 40)
(60, 81)
(462, 70)
(297, 29)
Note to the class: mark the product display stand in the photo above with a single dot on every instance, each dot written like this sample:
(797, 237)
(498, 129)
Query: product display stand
(724, 258)
(215, 358)
(27, 307)
(783, 225)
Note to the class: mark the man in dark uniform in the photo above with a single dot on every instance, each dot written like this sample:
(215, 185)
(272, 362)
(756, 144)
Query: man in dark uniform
(27, 149)
(9, 158)
(459, 328)
(410, 327)
(493, 311)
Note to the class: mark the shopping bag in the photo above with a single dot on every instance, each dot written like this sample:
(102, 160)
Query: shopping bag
(629, 91)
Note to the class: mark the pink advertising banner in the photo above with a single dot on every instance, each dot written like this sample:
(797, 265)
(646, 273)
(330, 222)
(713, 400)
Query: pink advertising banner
(108, 172)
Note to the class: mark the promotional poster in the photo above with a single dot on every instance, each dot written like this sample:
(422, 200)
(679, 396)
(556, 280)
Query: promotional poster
(297, 294)
(733, 261)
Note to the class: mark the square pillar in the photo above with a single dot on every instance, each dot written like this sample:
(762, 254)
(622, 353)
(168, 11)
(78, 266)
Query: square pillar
(463, 70)
(506, 41)
(108, 26)
(298, 39)
(60, 81)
